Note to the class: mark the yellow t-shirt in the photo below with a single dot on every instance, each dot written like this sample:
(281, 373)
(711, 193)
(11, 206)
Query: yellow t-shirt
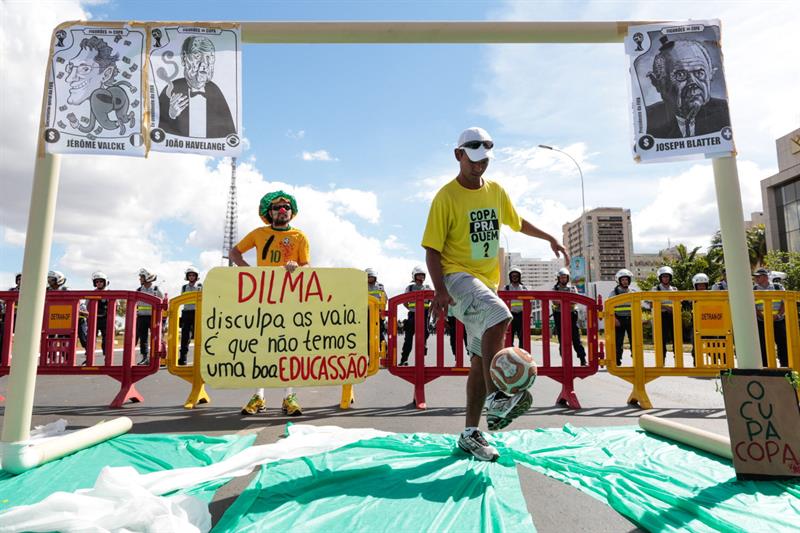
(276, 247)
(464, 225)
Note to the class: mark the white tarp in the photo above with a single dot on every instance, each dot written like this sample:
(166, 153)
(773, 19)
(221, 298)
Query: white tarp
(122, 500)
(678, 94)
(195, 80)
(94, 90)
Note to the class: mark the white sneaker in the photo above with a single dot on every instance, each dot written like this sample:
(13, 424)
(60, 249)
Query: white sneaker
(502, 409)
(477, 446)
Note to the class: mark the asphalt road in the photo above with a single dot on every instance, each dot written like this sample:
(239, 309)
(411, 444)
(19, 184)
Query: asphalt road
(384, 402)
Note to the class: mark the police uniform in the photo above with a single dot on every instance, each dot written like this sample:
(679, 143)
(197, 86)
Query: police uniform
(576, 334)
(623, 315)
(408, 328)
(779, 326)
(667, 332)
(144, 313)
(187, 321)
(377, 291)
(516, 312)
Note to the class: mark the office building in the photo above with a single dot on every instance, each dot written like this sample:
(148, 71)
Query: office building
(780, 195)
(603, 236)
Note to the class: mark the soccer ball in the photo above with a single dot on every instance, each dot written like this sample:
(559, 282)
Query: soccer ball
(513, 370)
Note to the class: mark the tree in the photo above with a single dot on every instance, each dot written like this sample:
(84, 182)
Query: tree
(756, 238)
(788, 262)
(757, 245)
(684, 267)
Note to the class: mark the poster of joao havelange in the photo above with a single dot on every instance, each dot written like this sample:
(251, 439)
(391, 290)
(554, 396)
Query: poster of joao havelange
(94, 90)
(196, 88)
(679, 99)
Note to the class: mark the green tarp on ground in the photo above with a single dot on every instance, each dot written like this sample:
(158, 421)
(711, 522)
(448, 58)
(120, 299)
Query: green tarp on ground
(658, 484)
(146, 453)
(398, 483)
(419, 483)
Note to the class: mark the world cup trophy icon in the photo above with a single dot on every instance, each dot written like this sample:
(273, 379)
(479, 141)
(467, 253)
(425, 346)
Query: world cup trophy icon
(638, 38)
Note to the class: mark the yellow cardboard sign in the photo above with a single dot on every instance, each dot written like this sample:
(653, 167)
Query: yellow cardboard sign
(267, 327)
(712, 316)
(59, 317)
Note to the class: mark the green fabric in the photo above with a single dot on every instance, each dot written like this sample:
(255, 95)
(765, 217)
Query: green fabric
(655, 482)
(146, 453)
(420, 483)
(400, 483)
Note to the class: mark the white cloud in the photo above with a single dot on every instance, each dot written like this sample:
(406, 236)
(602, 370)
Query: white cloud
(319, 155)
(392, 243)
(684, 207)
(13, 237)
(297, 135)
(165, 212)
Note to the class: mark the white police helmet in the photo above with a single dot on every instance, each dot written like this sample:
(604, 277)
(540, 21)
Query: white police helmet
(99, 275)
(371, 273)
(665, 270)
(563, 271)
(418, 270)
(57, 276)
(191, 270)
(149, 277)
(698, 279)
(624, 273)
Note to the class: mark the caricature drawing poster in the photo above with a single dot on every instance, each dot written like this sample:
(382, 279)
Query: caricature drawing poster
(196, 88)
(679, 99)
(94, 90)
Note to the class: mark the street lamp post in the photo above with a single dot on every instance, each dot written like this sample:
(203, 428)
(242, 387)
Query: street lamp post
(583, 213)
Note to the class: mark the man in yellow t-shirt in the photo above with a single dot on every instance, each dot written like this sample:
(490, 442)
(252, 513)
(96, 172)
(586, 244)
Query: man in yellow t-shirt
(276, 244)
(461, 241)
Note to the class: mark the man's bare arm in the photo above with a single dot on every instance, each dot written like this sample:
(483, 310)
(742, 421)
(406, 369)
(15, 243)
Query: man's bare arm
(236, 257)
(532, 231)
(441, 298)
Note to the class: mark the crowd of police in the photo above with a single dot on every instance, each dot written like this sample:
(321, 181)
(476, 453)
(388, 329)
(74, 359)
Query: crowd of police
(56, 281)
(764, 280)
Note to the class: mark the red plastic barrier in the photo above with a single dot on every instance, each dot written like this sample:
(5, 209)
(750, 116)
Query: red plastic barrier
(566, 373)
(59, 338)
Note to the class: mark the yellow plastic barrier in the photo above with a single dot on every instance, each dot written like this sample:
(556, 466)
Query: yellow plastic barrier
(191, 372)
(712, 335)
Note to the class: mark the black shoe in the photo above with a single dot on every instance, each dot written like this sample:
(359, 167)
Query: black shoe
(403, 362)
(181, 362)
(144, 361)
(619, 362)
(583, 361)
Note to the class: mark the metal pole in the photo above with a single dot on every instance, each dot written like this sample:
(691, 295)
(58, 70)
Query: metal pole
(436, 32)
(583, 214)
(737, 262)
(38, 238)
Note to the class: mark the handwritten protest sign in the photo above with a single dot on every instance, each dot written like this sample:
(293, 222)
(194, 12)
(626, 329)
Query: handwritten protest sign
(764, 423)
(268, 327)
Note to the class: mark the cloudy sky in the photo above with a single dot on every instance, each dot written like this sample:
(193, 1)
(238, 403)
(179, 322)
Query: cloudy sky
(363, 136)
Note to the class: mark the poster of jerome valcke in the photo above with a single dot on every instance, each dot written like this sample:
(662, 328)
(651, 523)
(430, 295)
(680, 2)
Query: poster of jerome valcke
(195, 82)
(94, 90)
(678, 95)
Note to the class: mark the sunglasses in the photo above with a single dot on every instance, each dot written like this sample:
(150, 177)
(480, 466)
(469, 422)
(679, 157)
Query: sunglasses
(474, 145)
(282, 206)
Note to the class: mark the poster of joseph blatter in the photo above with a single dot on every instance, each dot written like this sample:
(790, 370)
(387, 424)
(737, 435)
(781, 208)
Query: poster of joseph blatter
(679, 99)
(94, 90)
(196, 89)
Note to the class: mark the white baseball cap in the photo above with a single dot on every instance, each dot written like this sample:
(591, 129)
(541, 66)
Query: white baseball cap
(476, 143)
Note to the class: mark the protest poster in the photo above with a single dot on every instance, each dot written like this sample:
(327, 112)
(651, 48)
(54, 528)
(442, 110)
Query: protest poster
(679, 100)
(763, 422)
(196, 88)
(268, 327)
(94, 86)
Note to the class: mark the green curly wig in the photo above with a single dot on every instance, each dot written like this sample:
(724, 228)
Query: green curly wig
(266, 202)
